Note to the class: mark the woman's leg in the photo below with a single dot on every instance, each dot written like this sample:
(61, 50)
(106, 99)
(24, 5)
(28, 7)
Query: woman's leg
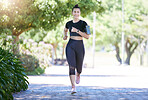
(72, 79)
(80, 52)
(77, 78)
(71, 58)
(72, 76)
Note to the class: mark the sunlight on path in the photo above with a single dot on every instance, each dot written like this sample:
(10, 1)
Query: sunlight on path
(126, 76)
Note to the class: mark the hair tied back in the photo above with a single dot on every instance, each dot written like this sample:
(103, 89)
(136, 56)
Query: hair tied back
(76, 5)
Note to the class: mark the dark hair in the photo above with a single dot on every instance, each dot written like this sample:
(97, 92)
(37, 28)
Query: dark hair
(76, 6)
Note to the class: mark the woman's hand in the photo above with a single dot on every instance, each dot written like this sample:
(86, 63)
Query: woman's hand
(65, 34)
(74, 29)
(80, 33)
(65, 37)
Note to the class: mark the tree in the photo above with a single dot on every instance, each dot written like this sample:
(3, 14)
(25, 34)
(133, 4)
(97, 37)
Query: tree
(141, 27)
(20, 16)
(17, 17)
(110, 25)
(52, 27)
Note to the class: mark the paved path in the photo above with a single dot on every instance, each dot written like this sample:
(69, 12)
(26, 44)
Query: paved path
(102, 83)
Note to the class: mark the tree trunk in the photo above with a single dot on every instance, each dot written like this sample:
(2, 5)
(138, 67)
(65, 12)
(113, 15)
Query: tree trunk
(118, 53)
(16, 45)
(15, 35)
(63, 49)
(141, 59)
(129, 47)
(127, 61)
(55, 45)
(129, 50)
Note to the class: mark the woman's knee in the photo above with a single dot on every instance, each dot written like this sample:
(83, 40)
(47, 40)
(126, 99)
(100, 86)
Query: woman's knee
(71, 70)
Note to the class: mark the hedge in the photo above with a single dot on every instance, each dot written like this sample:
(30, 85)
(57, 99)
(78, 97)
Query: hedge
(12, 75)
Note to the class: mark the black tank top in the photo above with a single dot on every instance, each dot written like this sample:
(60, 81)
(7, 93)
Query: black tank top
(79, 25)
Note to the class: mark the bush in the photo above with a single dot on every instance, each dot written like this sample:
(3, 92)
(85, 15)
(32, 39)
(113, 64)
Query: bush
(12, 75)
(34, 55)
(37, 71)
(30, 63)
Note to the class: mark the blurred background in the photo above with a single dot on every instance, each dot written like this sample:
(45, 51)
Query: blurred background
(32, 30)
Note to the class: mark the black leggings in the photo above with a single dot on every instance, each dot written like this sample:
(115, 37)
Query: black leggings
(75, 54)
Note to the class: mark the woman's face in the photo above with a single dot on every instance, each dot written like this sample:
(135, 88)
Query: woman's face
(76, 13)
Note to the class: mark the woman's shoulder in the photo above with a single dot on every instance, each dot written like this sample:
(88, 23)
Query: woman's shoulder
(84, 22)
(70, 21)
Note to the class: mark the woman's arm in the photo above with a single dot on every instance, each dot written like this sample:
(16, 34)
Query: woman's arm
(83, 34)
(65, 34)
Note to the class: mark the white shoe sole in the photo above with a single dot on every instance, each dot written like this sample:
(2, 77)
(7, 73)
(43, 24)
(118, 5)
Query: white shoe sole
(73, 91)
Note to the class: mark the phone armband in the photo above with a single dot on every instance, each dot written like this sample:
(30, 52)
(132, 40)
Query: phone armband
(88, 29)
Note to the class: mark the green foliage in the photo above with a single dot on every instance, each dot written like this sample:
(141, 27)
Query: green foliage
(40, 16)
(56, 11)
(55, 36)
(37, 71)
(12, 76)
(6, 41)
(30, 63)
(109, 24)
(110, 28)
(18, 15)
(40, 13)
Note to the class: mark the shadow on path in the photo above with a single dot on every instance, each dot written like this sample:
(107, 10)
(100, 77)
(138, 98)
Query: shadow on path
(62, 92)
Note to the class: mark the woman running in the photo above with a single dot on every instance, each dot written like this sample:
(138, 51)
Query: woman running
(75, 48)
